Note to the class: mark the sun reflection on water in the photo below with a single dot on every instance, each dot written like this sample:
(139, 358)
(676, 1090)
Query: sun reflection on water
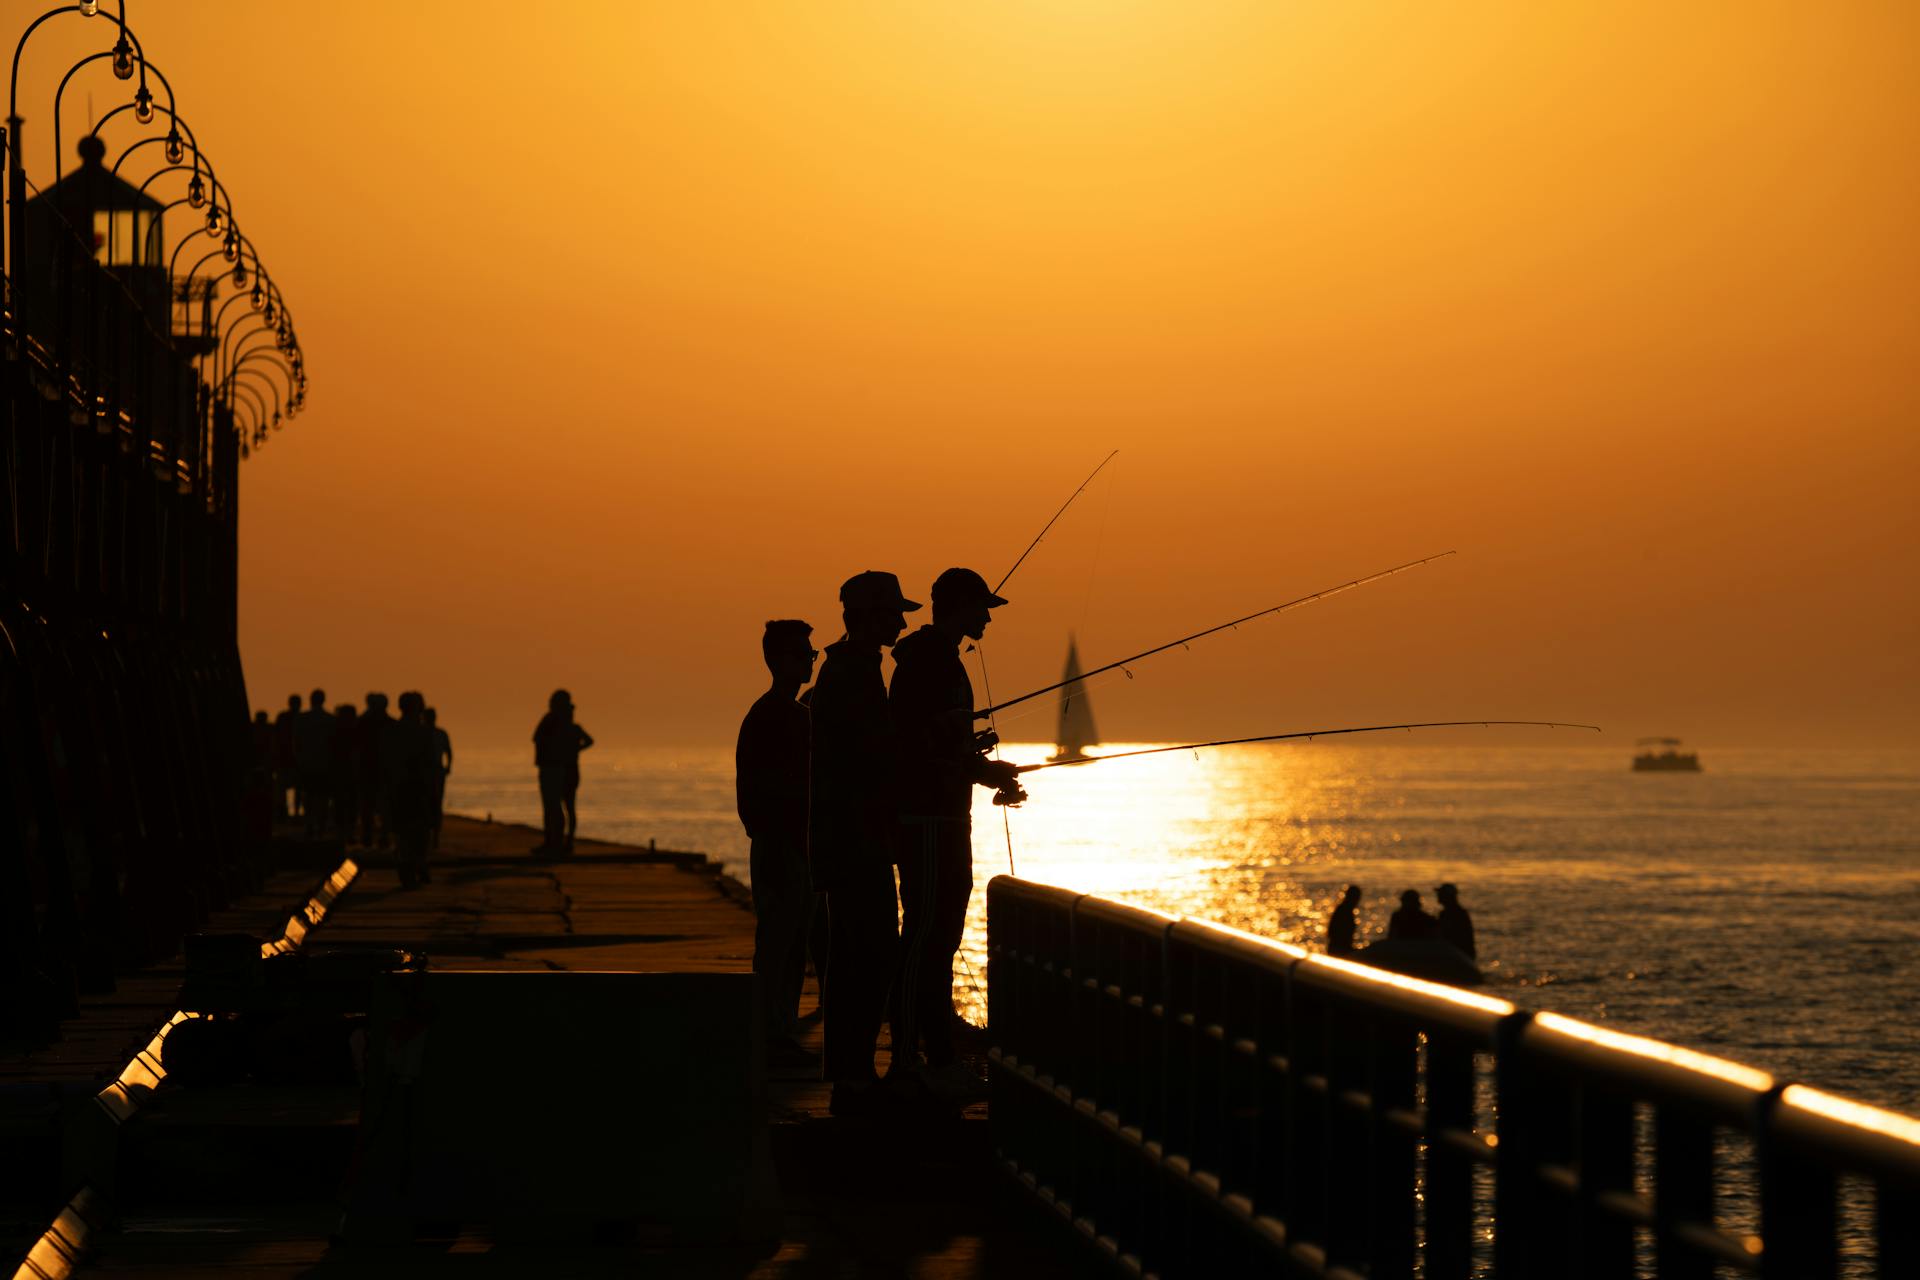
(1212, 835)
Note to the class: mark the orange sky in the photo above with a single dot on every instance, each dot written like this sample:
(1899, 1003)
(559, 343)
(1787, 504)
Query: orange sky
(633, 325)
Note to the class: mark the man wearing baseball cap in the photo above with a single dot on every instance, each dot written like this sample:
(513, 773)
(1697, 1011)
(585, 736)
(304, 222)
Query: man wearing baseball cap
(940, 764)
(851, 826)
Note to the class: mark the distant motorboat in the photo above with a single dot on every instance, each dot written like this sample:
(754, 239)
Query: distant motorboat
(1669, 759)
(1076, 732)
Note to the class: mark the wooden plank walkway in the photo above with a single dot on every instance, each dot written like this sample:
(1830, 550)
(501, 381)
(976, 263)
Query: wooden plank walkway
(888, 1198)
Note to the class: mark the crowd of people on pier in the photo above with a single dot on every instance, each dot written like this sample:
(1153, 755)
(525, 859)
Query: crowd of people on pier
(1410, 922)
(857, 797)
(371, 777)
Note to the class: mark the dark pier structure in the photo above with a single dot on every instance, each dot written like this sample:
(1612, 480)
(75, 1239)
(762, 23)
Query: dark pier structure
(147, 351)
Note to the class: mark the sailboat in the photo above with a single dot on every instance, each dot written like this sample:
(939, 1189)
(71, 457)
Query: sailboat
(1076, 732)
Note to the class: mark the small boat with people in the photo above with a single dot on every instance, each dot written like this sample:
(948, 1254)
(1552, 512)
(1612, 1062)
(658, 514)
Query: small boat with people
(1663, 755)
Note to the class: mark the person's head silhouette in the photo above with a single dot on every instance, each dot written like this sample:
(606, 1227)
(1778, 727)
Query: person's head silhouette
(873, 609)
(293, 702)
(963, 603)
(1351, 898)
(1411, 898)
(787, 648)
(376, 704)
(260, 717)
(318, 700)
(1448, 895)
(432, 716)
(411, 704)
(560, 703)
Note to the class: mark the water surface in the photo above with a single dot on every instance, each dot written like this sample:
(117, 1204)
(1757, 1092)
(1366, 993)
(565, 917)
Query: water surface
(1767, 909)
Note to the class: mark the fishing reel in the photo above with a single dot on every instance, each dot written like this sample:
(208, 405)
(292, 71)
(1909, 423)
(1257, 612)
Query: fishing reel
(1011, 794)
(985, 740)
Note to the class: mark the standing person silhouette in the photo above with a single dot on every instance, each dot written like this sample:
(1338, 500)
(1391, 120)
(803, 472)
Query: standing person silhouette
(851, 822)
(940, 764)
(1455, 924)
(770, 790)
(376, 822)
(408, 758)
(557, 744)
(286, 783)
(442, 766)
(343, 771)
(312, 759)
(1342, 925)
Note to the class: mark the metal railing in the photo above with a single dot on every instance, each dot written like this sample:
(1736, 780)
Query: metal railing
(1196, 1101)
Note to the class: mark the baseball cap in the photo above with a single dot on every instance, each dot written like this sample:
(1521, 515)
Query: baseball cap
(875, 590)
(964, 586)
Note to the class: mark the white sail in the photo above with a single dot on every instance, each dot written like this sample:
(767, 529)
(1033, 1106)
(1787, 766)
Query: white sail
(1076, 731)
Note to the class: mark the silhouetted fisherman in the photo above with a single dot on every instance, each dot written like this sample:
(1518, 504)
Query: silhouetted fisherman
(442, 766)
(1410, 921)
(1455, 925)
(770, 791)
(376, 817)
(557, 744)
(852, 819)
(1342, 924)
(940, 764)
(406, 758)
(343, 770)
(286, 788)
(313, 761)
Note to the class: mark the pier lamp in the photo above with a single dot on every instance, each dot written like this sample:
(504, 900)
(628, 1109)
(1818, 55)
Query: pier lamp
(142, 106)
(126, 53)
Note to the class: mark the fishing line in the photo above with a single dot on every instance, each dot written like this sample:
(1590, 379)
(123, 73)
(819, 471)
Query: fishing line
(1056, 516)
(1099, 545)
(1310, 734)
(979, 651)
(986, 683)
(1224, 626)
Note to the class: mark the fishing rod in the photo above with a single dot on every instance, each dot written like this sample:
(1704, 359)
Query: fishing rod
(990, 740)
(1309, 734)
(1056, 516)
(1225, 626)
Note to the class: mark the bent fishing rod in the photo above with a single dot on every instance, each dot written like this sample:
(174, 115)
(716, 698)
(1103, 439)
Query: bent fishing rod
(1056, 516)
(990, 738)
(1224, 626)
(1309, 734)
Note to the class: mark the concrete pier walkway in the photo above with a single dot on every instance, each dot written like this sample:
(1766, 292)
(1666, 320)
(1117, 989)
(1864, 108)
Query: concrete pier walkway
(227, 1183)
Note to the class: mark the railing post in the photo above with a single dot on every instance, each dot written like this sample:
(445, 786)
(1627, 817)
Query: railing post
(1394, 1152)
(1604, 1241)
(1799, 1211)
(1449, 1170)
(1523, 1233)
(1682, 1191)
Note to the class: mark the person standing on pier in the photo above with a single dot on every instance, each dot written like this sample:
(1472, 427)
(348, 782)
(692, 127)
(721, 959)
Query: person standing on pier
(442, 766)
(343, 771)
(408, 757)
(851, 822)
(1455, 925)
(770, 791)
(312, 758)
(1342, 925)
(557, 744)
(286, 784)
(375, 821)
(940, 764)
